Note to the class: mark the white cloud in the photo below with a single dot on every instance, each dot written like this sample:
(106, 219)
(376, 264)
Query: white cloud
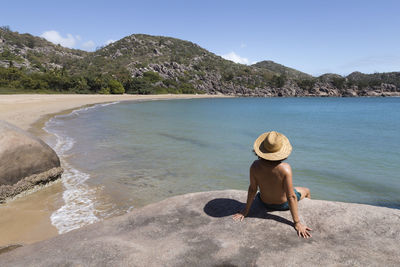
(243, 45)
(236, 58)
(56, 38)
(89, 45)
(109, 41)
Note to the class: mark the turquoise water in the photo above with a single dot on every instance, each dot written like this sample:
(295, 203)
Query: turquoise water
(344, 149)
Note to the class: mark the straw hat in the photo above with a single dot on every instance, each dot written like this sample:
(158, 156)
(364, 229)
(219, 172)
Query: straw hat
(272, 146)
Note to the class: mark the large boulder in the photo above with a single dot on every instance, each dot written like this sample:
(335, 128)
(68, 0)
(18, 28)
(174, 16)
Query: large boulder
(23, 155)
(197, 230)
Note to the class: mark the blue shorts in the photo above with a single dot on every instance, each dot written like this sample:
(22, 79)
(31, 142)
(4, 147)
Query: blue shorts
(283, 206)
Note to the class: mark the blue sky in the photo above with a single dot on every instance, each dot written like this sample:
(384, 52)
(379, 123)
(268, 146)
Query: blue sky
(312, 36)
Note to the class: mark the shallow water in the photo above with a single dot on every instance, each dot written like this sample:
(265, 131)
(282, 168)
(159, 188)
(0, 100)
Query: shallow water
(130, 154)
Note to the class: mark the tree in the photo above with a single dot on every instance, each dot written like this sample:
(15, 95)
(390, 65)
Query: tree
(116, 87)
(279, 80)
(104, 91)
(152, 76)
(5, 28)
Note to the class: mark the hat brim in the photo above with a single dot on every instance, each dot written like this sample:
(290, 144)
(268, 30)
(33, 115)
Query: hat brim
(281, 154)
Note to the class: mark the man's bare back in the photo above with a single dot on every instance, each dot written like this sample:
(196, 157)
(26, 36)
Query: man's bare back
(270, 177)
(274, 180)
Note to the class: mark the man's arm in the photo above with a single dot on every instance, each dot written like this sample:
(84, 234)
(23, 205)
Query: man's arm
(302, 230)
(251, 193)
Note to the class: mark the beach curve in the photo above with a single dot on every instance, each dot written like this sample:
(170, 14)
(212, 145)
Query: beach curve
(33, 113)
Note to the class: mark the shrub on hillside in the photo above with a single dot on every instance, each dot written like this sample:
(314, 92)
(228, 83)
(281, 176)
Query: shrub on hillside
(116, 87)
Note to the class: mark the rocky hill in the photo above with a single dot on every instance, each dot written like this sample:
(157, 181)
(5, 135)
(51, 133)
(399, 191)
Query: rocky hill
(282, 70)
(198, 230)
(146, 64)
(34, 53)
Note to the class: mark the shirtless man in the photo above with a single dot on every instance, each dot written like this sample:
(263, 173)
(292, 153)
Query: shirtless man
(274, 179)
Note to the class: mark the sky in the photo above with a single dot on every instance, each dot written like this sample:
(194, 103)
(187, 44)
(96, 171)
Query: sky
(313, 36)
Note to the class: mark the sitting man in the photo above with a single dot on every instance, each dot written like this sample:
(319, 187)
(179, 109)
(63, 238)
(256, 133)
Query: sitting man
(274, 179)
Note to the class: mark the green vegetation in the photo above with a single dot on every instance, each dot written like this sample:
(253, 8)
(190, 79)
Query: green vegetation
(306, 84)
(116, 87)
(10, 91)
(7, 55)
(153, 83)
(368, 80)
(55, 81)
(361, 80)
(282, 70)
(185, 66)
(278, 81)
(338, 82)
(14, 80)
(145, 64)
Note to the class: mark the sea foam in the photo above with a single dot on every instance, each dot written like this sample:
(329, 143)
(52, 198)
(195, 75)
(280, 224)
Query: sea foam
(79, 199)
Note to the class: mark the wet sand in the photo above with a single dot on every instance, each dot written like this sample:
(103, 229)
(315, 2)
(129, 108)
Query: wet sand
(26, 219)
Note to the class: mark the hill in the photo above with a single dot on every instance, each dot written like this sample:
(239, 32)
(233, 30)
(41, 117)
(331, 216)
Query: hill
(142, 61)
(34, 53)
(281, 69)
(145, 64)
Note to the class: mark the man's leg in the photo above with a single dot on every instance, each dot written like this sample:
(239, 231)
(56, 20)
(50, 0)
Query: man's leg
(304, 191)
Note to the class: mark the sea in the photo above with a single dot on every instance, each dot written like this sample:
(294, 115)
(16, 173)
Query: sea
(123, 155)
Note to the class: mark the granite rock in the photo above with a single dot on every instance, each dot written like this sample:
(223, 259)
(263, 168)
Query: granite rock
(30, 182)
(25, 161)
(197, 230)
(22, 154)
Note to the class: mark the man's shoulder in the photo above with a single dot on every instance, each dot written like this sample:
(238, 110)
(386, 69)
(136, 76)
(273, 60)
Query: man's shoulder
(282, 165)
(254, 164)
(285, 167)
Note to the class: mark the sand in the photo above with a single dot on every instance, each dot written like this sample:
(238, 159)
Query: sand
(24, 110)
(26, 219)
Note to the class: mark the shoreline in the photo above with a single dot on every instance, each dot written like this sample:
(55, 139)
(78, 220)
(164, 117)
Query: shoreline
(42, 228)
(25, 110)
(31, 112)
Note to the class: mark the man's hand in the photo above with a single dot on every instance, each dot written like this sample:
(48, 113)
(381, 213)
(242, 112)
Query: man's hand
(239, 216)
(302, 230)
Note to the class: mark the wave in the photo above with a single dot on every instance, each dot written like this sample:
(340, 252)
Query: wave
(79, 199)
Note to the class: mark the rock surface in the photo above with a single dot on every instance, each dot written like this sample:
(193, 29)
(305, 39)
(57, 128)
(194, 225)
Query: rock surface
(25, 161)
(10, 191)
(22, 154)
(197, 230)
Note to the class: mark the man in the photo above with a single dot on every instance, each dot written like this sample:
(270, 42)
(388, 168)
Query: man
(274, 179)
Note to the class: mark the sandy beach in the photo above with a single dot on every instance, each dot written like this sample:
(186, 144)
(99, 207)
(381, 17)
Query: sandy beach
(24, 110)
(27, 219)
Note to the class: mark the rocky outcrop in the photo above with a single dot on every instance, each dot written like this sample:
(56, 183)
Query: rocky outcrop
(25, 161)
(27, 183)
(197, 230)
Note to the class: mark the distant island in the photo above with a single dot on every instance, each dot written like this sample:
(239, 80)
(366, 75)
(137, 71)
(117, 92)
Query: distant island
(145, 64)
